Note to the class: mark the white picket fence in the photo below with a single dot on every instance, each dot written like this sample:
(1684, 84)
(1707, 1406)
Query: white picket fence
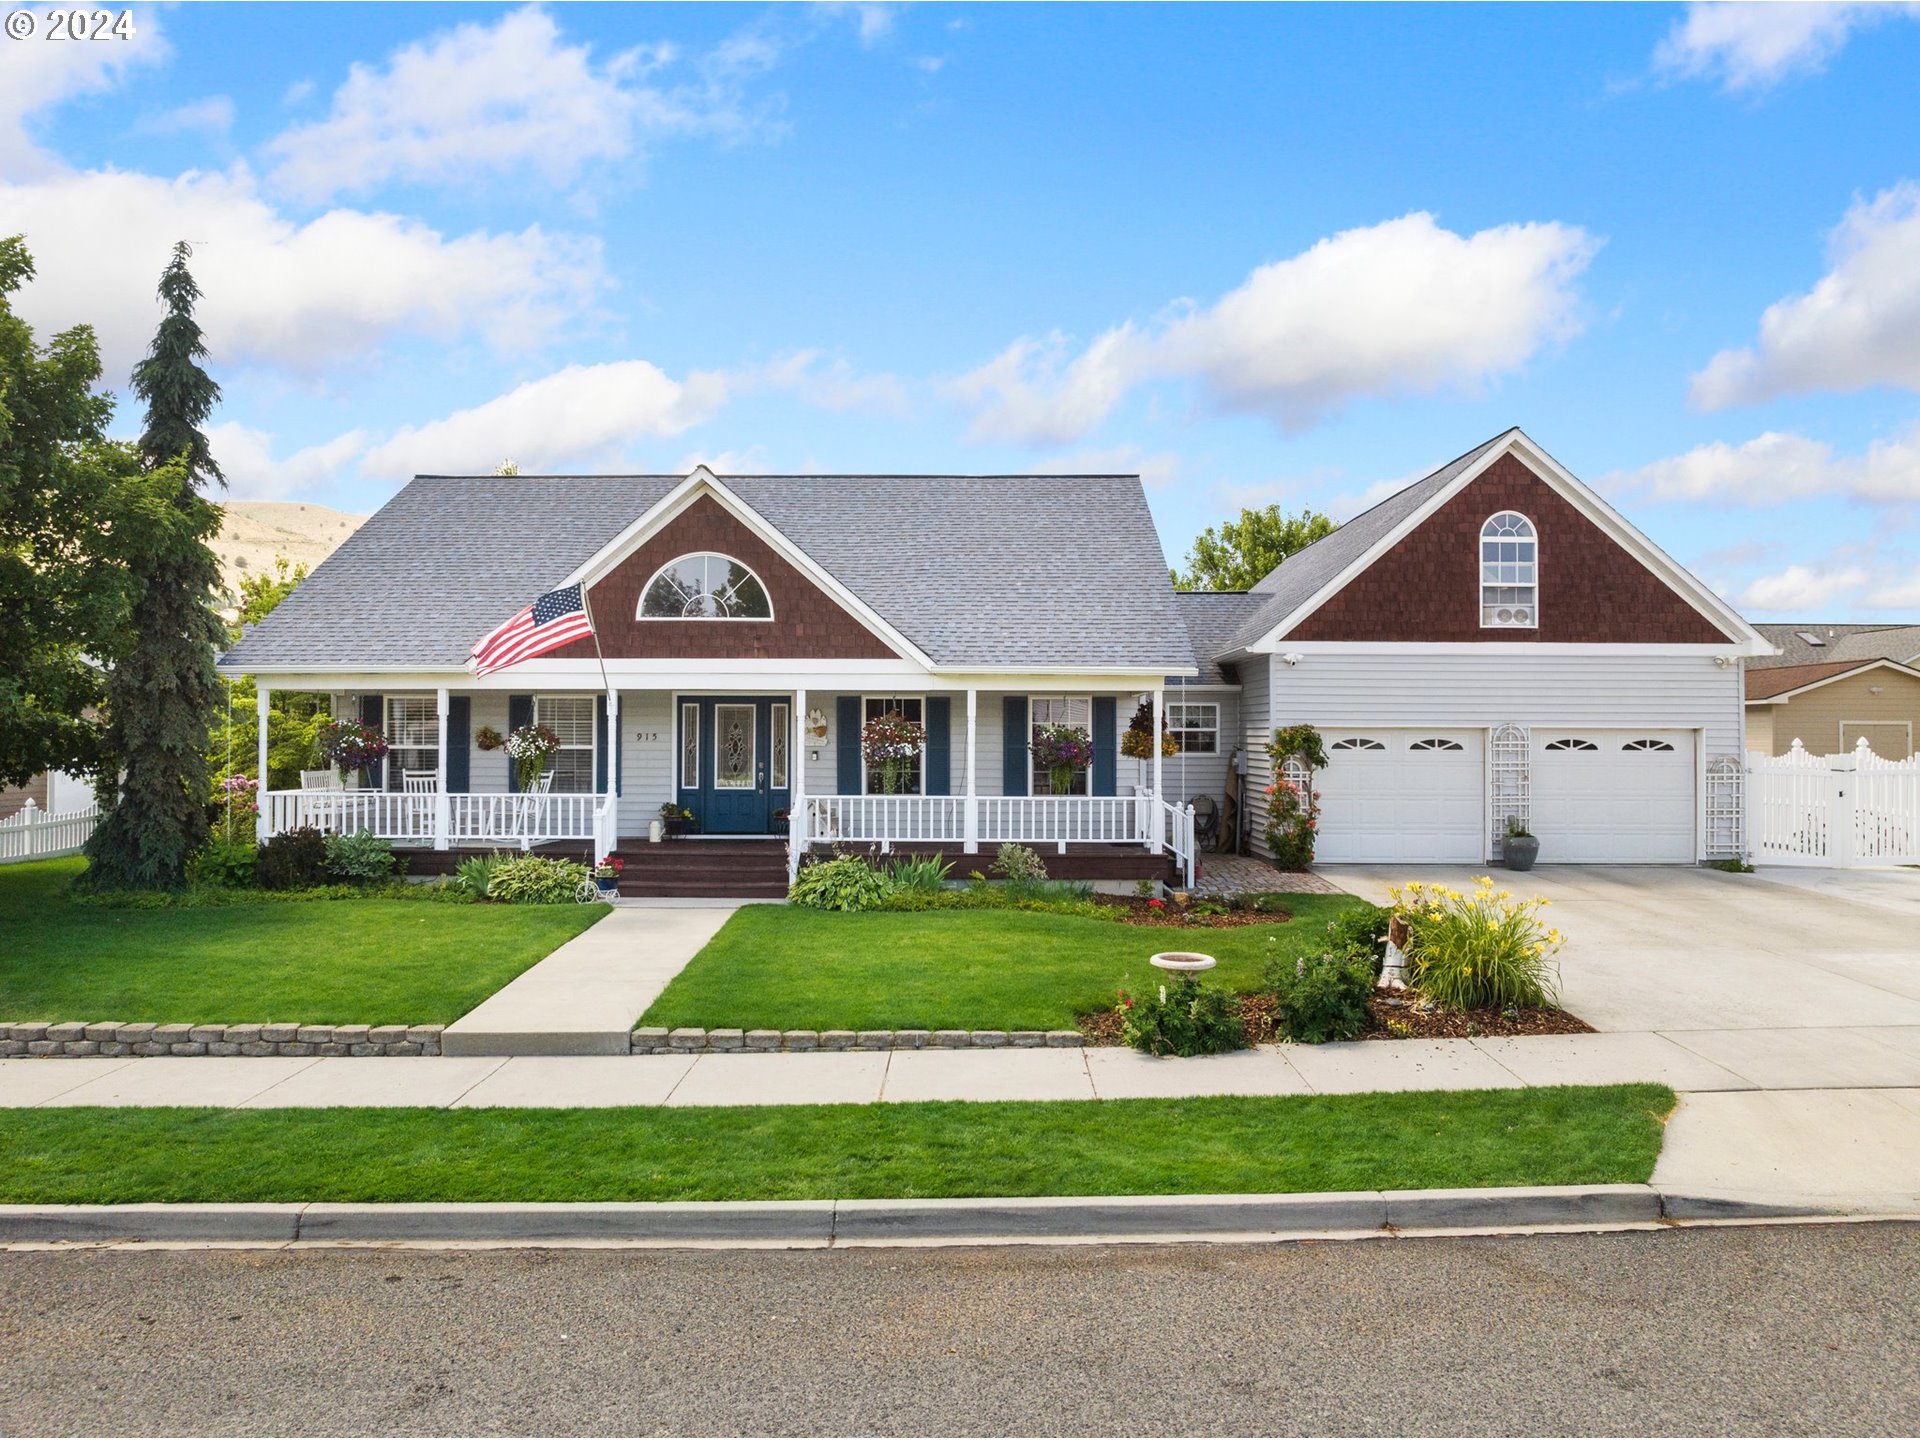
(1832, 810)
(34, 834)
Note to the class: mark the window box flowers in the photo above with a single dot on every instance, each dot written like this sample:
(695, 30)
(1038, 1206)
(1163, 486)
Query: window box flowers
(531, 747)
(1062, 751)
(889, 743)
(351, 746)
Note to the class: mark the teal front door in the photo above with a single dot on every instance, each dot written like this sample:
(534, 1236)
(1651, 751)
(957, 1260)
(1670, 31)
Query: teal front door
(741, 762)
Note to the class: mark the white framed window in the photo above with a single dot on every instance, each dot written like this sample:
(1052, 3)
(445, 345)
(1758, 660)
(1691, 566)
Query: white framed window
(1509, 573)
(1648, 745)
(1074, 710)
(413, 737)
(914, 707)
(779, 738)
(1572, 743)
(571, 718)
(1196, 725)
(1436, 743)
(690, 746)
(1357, 742)
(705, 586)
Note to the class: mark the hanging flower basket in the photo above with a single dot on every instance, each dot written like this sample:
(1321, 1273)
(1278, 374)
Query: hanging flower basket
(351, 746)
(1136, 743)
(889, 743)
(531, 747)
(1062, 751)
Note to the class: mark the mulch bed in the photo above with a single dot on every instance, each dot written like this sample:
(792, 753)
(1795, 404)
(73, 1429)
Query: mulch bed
(1135, 911)
(1397, 1015)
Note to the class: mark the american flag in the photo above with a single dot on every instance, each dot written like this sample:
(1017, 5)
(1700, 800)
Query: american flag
(557, 617)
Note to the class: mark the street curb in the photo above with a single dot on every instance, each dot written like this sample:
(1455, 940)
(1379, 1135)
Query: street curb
(830, 1222)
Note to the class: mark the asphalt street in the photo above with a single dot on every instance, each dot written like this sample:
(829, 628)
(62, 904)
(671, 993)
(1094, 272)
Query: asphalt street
(1781, 1329)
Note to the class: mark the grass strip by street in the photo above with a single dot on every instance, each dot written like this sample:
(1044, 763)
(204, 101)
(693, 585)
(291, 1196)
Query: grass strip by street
(320, 962)
(1225, 1145)
(790, 968)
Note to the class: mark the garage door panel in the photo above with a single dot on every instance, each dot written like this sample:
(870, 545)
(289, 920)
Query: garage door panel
(1614, 796)
(1415, 796)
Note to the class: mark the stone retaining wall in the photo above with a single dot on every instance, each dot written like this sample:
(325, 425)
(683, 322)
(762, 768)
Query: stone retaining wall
(115, 1037)
(657, 1040)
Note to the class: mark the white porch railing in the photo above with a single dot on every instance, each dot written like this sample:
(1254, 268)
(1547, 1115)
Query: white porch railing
(35, 834)
(1056, 820)
(1834, 810)
(444, 820)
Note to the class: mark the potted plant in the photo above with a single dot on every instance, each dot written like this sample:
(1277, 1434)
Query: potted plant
(531, 747)
(351, 746)
(781, 814)
(606, 875)
(1136, 741)
(1062, 751)
(889, 743)
(1521, 848)
(678, 819)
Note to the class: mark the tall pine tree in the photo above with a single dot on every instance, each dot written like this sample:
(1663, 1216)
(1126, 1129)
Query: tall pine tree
(162, 690)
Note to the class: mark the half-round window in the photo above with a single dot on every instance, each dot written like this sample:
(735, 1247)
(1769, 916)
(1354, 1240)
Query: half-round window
(705, 587)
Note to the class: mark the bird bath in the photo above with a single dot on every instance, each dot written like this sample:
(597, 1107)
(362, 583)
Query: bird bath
(1183, 961)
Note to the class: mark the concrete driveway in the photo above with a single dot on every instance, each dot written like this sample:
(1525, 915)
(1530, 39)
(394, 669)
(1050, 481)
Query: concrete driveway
(1683, 949)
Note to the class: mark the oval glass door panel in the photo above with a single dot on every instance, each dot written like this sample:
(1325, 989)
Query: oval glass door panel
(733, 748)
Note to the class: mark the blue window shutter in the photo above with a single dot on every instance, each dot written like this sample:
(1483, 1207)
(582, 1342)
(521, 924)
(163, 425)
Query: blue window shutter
(846, 743)
(1015, 772)
(373, 711)
(600, 746)
(459, 743)
(939, 745)
(1105, 758)
(519, 712)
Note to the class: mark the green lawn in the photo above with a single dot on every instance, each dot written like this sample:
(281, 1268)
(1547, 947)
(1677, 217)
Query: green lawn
(1569, 1136)
(324, 962)
(790, 968)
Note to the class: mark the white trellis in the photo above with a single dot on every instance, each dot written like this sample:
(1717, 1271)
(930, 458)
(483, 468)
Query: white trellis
(1724, 776)
(1509, 783)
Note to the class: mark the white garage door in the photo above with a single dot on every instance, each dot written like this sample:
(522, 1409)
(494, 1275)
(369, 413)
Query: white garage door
(1614, 796)
(1402, 795)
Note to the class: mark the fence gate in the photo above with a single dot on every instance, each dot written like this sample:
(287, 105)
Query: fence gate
(1833, 810)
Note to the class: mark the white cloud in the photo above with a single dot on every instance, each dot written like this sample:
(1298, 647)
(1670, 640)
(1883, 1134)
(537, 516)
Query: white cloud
(1155, 469)
(1386, 309)
(582, 414)
(39, 74)
(1748, 46)
(831, 385)
(1859, 326)
(213, 114)
(1901, 594)
(300, 296)
(1801, 588)
(507, 98)
(1774, 467)
(253, 473)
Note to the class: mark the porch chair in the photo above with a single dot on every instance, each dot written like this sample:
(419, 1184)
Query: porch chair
(527, 811)
(1206, 822)
(319, 812)
(422, 785)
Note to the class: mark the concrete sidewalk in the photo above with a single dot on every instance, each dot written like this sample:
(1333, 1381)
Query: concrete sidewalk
(584, 997)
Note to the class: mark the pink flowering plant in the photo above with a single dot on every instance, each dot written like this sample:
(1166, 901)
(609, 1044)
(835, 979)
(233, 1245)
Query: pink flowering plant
(1292, 823)
(1062, 751)
(238, 798)
(351, 746)
(889, 743)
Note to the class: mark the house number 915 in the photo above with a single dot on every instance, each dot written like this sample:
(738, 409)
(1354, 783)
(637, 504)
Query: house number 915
(647, 736)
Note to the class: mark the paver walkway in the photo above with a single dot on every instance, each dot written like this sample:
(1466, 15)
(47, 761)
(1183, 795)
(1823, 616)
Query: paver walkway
(584, 997)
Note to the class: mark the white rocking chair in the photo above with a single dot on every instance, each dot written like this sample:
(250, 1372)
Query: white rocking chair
(422, 786)
(318, 812)
(527, 812)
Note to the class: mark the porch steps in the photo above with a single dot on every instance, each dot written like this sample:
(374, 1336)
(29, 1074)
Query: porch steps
(704, 869)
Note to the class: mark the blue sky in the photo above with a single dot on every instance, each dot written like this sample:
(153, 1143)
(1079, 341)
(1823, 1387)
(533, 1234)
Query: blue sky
(1294, 254)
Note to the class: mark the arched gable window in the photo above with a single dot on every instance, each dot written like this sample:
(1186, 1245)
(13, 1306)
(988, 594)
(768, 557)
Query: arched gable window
(1509, 573)
(705, 586)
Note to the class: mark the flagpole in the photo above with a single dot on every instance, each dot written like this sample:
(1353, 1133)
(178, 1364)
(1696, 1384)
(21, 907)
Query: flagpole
(594, 630)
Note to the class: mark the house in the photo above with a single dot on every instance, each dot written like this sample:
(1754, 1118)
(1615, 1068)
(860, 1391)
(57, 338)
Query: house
(1493, 642)
(1832, 686)
(50, 792)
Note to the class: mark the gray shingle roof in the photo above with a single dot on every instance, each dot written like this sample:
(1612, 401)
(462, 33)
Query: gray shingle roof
(1297, 577)
(1213, 618)
(1042, 570)
(1843, 642)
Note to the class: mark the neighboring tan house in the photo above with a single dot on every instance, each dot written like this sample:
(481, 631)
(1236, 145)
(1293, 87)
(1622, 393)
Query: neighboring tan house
(1493, 641)
(1830, 706)
(51, 791)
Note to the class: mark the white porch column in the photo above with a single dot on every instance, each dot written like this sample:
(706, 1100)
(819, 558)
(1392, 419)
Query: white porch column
(797, 793)
(971, 843)
(1155, 831)
(262, 699)
(442, 806)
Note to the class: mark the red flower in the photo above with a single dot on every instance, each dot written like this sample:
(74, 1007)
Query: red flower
(1157, 904)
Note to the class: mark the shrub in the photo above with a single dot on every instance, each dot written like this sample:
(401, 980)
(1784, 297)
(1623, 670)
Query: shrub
(844, 883)
(1020, 867)
(1187, 1018)
(224, 863)
(1361, 933)
(535, 880)
(1482, 951)
(927, 874)
(359, 857)
(1321, 997)
(292, 860)
(475, 874)
(1291, 824)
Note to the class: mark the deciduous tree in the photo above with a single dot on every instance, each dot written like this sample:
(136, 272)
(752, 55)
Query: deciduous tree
(1237, 554)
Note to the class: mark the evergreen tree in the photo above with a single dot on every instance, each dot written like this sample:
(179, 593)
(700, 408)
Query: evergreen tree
(163, 690)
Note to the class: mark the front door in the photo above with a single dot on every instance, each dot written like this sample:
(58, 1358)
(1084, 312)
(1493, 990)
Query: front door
(741, 762)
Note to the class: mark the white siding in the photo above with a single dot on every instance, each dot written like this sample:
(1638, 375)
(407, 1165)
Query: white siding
(1257, 713)
(646, 760)
(487, 769)
(1189, 775)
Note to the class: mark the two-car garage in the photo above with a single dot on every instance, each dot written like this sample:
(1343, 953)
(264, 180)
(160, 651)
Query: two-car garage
(1420, 796)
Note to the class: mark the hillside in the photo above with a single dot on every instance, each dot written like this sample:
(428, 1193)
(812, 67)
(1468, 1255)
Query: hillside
(255, 531)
